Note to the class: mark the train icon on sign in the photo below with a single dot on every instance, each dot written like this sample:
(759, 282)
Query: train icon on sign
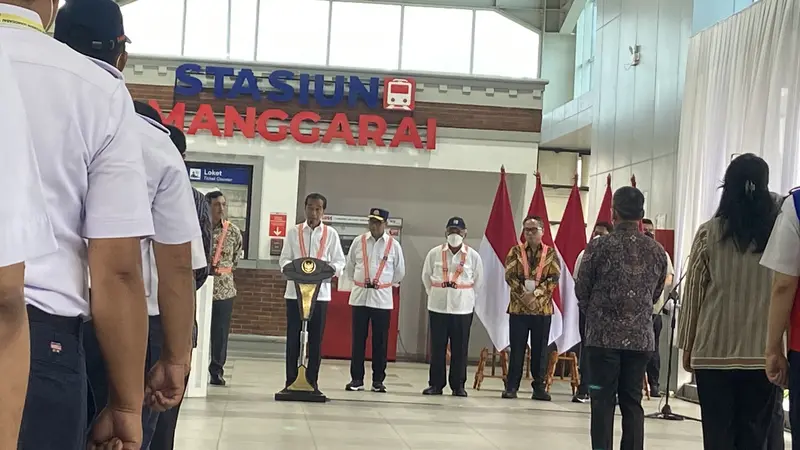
(399, 94)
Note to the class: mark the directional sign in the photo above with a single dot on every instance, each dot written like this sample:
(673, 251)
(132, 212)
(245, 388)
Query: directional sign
(277, 225)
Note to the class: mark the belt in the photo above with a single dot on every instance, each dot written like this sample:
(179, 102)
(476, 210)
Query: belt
(70, 325)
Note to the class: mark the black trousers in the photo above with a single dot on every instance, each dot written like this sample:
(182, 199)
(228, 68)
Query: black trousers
(164, 437)
(520, 328)
(98, 376)
(316, 327)
(654, 365)
(55, 416)
(776, 441)
(794, 398)
(617, 374)
(452, 328)
(379, 318)
(221, 312)
(736, 407)
(583, 362)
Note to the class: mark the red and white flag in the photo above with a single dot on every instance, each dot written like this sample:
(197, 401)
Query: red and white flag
(604, 214)
(570, 242)
(500, 236)
(633, 183)
(539, 208)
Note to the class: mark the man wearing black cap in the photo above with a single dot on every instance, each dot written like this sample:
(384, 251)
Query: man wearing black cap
(452, 274)
(95, 190)
(95, 29)
(621, 277)
(375, 264)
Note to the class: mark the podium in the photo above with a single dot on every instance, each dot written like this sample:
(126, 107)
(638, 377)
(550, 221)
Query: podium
(308, 274)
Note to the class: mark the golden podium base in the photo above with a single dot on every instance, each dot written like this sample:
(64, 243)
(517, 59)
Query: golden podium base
(301, 390)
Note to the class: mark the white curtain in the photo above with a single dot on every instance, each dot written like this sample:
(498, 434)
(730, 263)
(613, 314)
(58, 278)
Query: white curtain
(742, 95)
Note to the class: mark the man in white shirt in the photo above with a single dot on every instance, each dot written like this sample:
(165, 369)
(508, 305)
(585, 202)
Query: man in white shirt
(582, 394)
(95, 189)
(167, 255)
(782, 255)
(452, 275)
(314, 239)
(375, 263)
(654, 366)
(25, 234)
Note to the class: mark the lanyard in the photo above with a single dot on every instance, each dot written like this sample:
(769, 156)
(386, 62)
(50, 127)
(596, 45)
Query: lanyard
(322, 241)
(526, 268)
(460, 269)
(365, 257)
(13, 20)
(220, 243)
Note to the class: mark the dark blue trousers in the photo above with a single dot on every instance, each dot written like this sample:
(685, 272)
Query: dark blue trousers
(55, 406)
(98, 378)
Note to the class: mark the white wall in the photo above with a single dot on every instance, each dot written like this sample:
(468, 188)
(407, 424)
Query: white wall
(424, 199)
(558, 67)
(637, 109)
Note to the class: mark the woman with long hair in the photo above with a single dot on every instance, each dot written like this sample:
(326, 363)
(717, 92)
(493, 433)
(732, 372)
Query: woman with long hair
(723, 324)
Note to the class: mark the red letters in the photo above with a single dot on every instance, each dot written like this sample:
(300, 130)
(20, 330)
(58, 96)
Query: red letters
(204, 120)
(234, 119)
(339, 129)
(371, 128)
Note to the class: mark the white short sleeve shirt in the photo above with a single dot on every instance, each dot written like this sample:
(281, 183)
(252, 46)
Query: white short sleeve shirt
(91, 165)
(172, 203)
(783, 249)
(25, 231)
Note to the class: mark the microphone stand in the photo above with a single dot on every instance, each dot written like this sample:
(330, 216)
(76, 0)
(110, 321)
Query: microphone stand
(666, 411)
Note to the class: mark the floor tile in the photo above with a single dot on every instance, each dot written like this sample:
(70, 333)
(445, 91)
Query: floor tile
(244, 416)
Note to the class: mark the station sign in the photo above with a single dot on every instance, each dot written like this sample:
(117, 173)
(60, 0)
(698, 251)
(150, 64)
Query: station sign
(284, 86)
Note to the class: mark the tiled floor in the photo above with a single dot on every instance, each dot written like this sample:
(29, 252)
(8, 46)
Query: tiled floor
(244, 416)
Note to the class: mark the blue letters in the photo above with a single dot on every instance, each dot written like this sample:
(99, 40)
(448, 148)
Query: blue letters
(185, 83)
(278, 80)
(219, 74)
(245, 83)
(352, 90)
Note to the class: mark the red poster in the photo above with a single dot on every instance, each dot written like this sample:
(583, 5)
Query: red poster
(277, 224)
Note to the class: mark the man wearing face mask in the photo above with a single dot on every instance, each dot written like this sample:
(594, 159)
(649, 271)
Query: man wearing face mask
(532, 271)
(662, 306)
(95, 191)
(375, 263)
(452, 274)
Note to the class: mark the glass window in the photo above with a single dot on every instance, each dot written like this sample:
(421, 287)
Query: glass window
(436, 39)
(293, 31)
(143, 16)
(243, 29)
(504, 47)
(365, 35)
(206, 29)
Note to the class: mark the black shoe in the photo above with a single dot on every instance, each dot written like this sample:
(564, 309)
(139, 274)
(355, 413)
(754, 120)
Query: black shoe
(460, 392)
(654, 392)
(430, 390)
(378, 387)
(509, 394)
(580, 398)
(541, 394)
(217, 381)
(355, 385)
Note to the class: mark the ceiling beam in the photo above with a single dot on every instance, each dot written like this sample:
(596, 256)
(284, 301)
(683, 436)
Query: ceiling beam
(571, 19)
